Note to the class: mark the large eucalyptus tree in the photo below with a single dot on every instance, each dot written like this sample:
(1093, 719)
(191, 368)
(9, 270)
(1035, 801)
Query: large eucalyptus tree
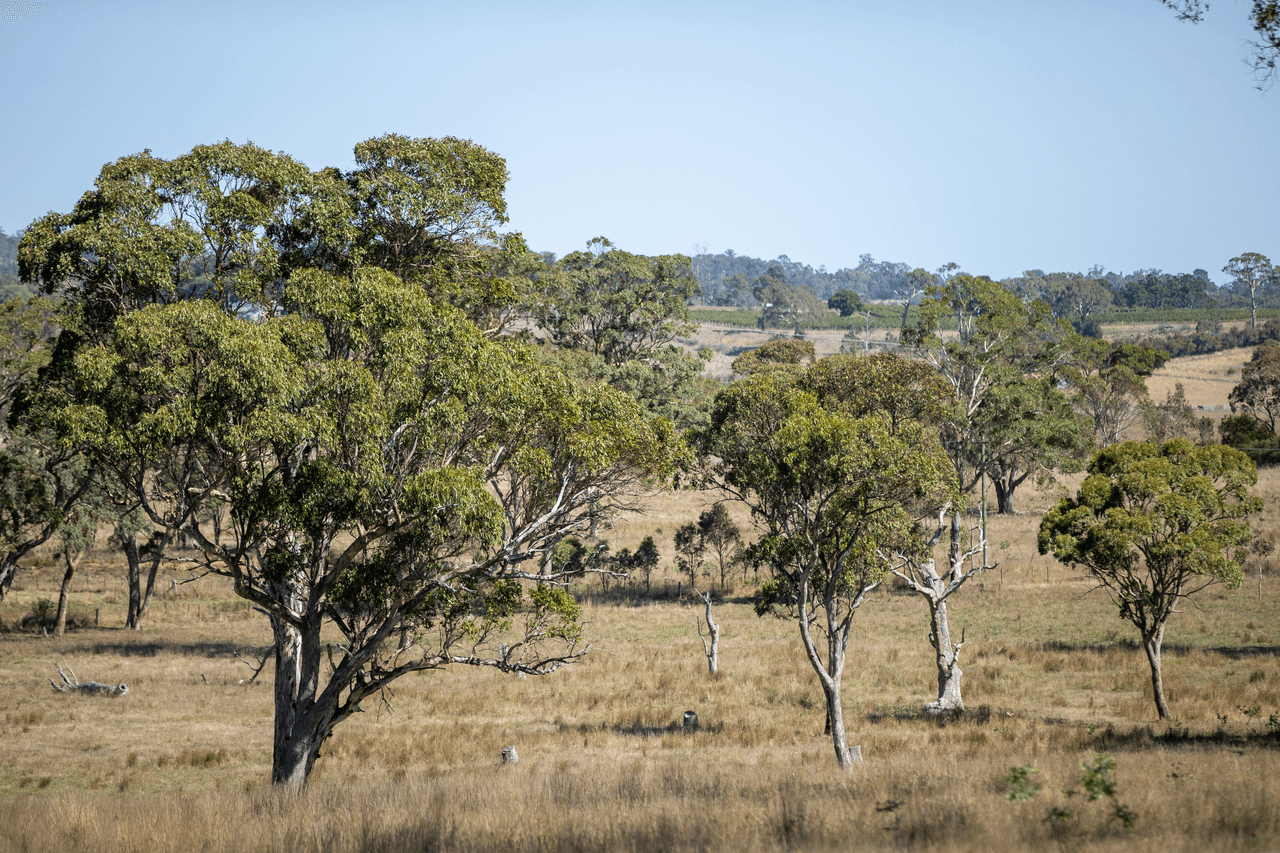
(388, 467)
(998, 354)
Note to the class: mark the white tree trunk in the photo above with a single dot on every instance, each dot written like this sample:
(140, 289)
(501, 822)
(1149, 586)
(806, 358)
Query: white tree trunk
(300, 724)
(923, 578)
(831, 671)
(947, 658)
(1152, 646)
(71, 560)
(712, 648)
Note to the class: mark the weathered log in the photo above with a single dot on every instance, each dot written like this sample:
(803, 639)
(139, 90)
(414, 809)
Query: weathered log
(88, 688)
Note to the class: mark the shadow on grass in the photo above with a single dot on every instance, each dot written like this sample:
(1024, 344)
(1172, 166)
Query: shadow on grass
(625, 595)
(1098, 738)
(145, 649)
(1143, 737)
(1235, 652)
(89, 639)
(980, 716)
(636, 729)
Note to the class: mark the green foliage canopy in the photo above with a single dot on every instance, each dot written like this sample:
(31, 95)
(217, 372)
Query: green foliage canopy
(303, 349)
(836, 470)
(1154, 524)
(614, 316)
(1008, 419)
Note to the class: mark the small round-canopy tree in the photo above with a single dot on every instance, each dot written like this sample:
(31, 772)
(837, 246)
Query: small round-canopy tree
(847, 302)
(1154, 524)
(836, 471)
(786, 355)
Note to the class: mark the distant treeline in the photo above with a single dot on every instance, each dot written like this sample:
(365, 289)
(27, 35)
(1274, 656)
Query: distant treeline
(9, 284)
(1210, 337)
(882, 317)
(1085, 299)
(871, 279)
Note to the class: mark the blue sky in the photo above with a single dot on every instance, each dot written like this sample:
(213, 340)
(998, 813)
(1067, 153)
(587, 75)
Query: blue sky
(1003, 136)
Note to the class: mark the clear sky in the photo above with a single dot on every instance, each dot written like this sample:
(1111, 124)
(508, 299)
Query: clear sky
(1002, 135)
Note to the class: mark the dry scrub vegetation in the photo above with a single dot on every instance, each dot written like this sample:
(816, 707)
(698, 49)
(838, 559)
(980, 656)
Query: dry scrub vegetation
(1053, 678)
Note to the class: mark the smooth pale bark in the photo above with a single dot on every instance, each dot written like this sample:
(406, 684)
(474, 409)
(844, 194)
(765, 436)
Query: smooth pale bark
(711, 649)
(831, 672)
(1152, 644)
(293, 753)
(7, 570)
(64, 594)
(935, 589)
(947, 659)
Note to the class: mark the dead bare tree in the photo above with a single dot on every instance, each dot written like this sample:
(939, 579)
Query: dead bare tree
(257, 667)
(710, 649)
(921, 576)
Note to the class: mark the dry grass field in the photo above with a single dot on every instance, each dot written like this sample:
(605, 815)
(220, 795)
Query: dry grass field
(1053, 679)
(1206, 379)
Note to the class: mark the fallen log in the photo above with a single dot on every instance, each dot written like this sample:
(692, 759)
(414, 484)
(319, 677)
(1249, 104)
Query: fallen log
(88, 688)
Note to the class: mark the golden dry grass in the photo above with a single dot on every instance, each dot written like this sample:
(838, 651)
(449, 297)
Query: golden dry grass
(1206, 379)
(1052, 679)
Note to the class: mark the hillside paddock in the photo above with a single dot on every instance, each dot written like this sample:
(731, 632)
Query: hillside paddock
(1053, 680)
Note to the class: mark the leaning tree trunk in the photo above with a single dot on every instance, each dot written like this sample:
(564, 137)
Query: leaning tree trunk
(1151, 645)
(71, 560)
(64, 594)
(829, 676)
(8, 567)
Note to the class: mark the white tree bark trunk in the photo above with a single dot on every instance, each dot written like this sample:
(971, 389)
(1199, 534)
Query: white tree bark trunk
(297, 739)
(710, 649)
(947, 658)
(830, 674)
(923, 579)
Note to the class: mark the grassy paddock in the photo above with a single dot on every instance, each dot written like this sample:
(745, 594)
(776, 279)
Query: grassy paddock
(1053, 678)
